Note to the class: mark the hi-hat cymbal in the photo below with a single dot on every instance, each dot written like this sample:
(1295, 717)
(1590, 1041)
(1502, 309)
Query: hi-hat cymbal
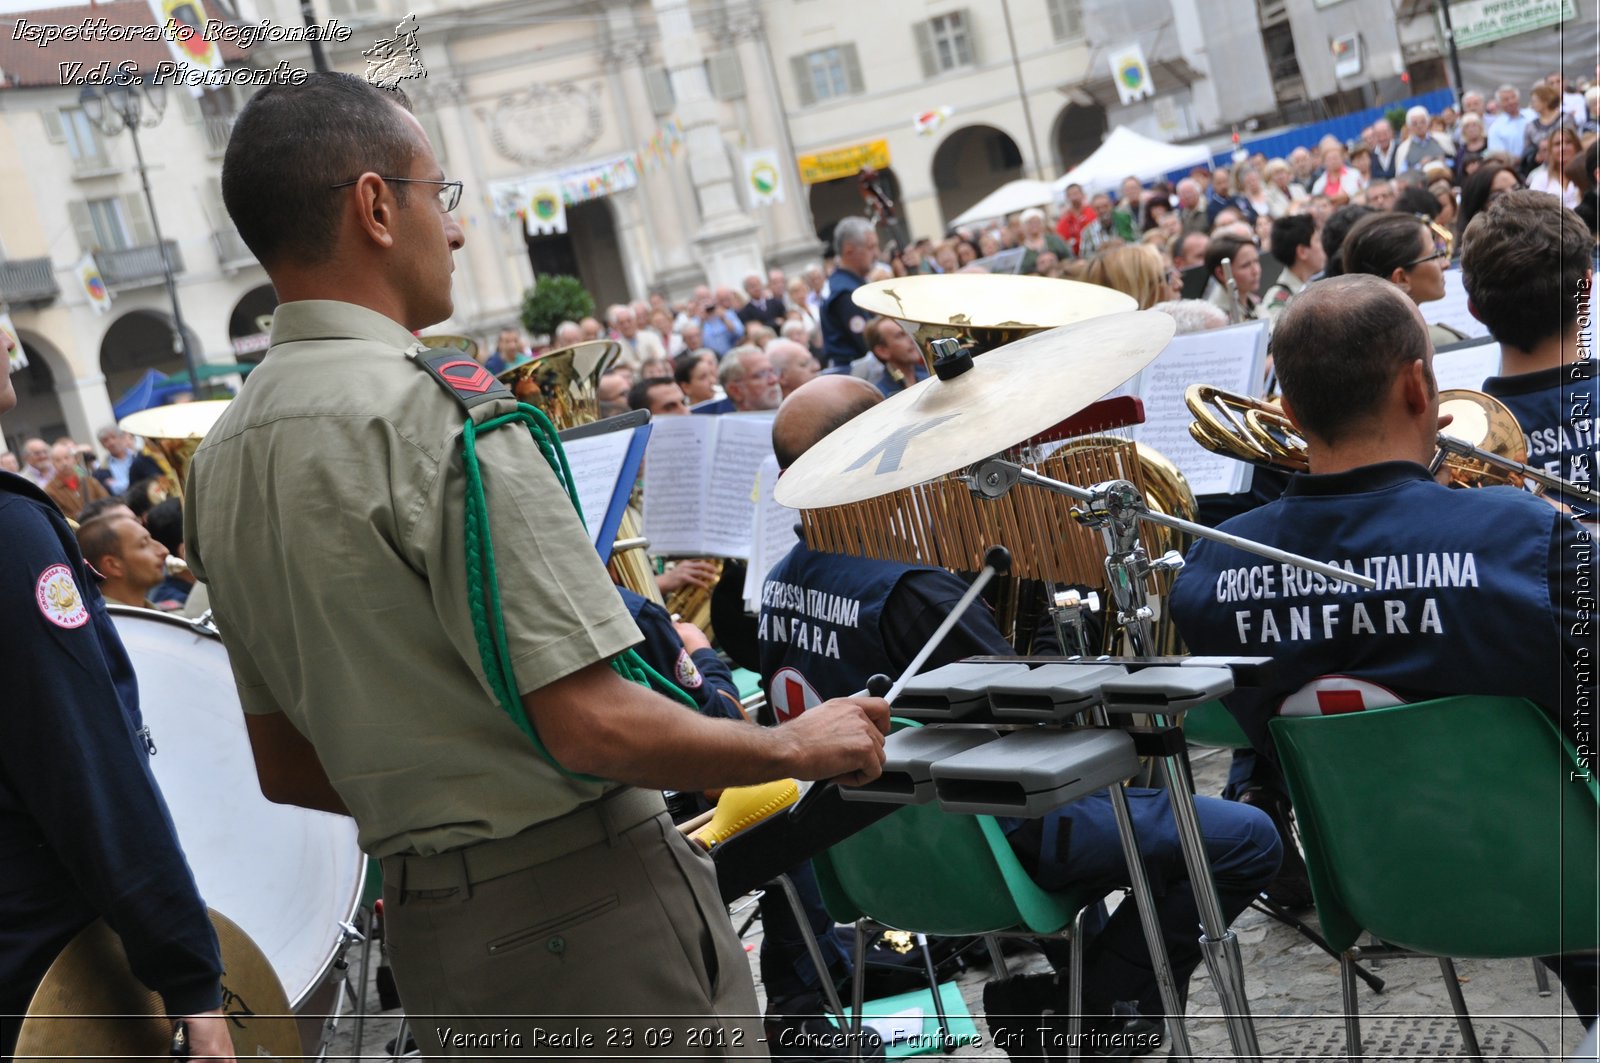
(1009, 395)
(990, 301)
(90, 1006)
(181, 420)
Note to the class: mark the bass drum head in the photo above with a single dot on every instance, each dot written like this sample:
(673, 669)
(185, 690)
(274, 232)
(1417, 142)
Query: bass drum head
(288, 876)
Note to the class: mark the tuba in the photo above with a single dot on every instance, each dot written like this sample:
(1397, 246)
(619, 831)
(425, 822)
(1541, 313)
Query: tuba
(1483, 447)
(565, 385)
(173, 433)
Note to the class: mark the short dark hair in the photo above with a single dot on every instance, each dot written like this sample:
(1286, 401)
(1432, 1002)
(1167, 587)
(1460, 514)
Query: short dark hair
(143, 495)
(1337, 349)
(683, 366)
(639, 394)
(1290, 233)
(1335, 229)
(99, 537)
(1382, 243)
(872, 335)
(91, 510)
(1522, 261)
(290, 143)
(1415, 200)
(165, 522)
(1222, 247)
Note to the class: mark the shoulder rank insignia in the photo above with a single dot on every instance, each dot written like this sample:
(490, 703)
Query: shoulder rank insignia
(468, 383)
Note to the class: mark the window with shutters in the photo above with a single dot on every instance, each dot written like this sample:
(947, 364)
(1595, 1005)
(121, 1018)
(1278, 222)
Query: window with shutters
(725, 75)
(110, 231)
(658, 87)
(951, 40)
(1066, 18)
(827, 73)
(84, 142)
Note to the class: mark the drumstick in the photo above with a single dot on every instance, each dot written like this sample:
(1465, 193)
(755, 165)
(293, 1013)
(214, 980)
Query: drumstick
(996, 561)
(689, 826)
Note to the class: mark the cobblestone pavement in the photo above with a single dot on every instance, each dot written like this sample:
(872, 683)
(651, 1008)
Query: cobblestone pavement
(1293, 989)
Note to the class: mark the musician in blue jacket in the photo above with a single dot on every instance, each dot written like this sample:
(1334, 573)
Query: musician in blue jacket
(1527, 263)
(1476, 591)
(829, 621)
(83, 829)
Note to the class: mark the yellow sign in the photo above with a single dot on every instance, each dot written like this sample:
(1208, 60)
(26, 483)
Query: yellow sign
(822, 166)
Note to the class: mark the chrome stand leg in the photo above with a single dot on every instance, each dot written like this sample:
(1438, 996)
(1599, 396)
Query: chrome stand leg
(1218, 944)
(829, 991)
(1075, 990)
(340, 972)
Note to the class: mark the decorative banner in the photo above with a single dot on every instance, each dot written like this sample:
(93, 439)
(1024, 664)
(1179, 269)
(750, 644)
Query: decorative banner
(546, 213)
(1131, 74)
(928, 122)
(514, 197)
(617, 174)
(19, 360)
(183, 23)
(1481, 21)
(822, 166)
(762, 178)
(94, 286)
(1346, 55)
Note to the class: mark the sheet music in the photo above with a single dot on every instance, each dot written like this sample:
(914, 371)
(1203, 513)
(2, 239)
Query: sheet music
(1232, 358)
(774, 534)
(1467, 366)
(675, 475)
(1452, 309)
(596, 463)
(743, 442)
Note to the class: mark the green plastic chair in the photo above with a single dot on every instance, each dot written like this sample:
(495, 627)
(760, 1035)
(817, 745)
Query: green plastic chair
(1456, 827)
(927, 871)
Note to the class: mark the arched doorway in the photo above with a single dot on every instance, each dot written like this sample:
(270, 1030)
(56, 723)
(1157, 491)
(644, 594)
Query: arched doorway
(251, 322)
(833, 201)
(588, 250)
(1079, 130)
(971, 163)
(138, 341)
(38, 409)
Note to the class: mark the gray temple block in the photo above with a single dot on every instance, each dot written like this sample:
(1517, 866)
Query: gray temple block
(954, 691)
(1029, 773)
(1051, 693)
(1165, 689)
(909, 755)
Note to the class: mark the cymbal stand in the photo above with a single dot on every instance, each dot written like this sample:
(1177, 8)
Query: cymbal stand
(339, 972)
(1116, 508)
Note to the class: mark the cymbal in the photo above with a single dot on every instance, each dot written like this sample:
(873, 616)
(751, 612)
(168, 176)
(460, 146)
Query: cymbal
(181, 420)
(1009, 395)
(90, 1006)
(990, 300)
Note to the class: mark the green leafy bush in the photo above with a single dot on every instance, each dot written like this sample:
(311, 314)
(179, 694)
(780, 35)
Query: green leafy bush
(552, 300)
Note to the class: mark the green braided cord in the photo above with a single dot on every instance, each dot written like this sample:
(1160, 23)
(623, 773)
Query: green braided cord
(485, 603)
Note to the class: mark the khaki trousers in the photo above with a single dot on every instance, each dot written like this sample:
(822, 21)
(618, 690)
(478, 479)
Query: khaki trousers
(599, 934)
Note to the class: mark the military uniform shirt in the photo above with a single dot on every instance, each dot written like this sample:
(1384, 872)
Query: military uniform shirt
(326, 514)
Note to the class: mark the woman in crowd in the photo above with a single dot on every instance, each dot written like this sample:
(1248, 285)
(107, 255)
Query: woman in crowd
(1474, 145)
(1406, 252)
(1254, 193)
(1135, 269)
(1490, 180)
(696, 374)
(1560, 147)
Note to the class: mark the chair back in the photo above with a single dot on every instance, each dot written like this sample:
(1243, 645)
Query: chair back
(1211, 724)
(1463, 827)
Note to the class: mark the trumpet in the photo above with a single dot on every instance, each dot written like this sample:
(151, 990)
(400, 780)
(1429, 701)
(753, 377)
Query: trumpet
(1484, 448)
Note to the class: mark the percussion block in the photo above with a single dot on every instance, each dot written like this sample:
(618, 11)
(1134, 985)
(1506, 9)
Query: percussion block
(1029, 773)
(909, 755)
(1053, 693)
(954, 691)
(1166, 689)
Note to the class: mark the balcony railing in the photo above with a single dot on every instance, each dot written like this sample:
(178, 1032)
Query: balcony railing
(231, 250)
(99, 164)
(27, 280)
(137, 267)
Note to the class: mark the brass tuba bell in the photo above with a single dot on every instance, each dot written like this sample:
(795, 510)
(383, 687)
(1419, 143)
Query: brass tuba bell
(173, 433)
(564, 383)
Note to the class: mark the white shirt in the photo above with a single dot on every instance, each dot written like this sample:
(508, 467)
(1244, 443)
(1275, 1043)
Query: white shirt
(1541, 180)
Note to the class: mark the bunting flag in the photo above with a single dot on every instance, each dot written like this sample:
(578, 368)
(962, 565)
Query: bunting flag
(19, 360)
(763, 179)
(1131, 73)
(928, 122)
(545, 210)
(515, 197)
(94, 286)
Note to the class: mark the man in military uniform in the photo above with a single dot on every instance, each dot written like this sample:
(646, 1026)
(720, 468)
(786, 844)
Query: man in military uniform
(1475, 595)
(856, 242)
(1527, 265)
(893, 610)
(83, 830)
(469, 723)
(1295, 244)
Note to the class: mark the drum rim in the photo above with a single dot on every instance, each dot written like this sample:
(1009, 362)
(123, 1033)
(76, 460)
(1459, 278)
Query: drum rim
(135, 612)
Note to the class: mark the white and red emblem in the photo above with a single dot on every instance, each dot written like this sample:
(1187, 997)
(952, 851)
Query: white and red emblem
(59, 598)
(791, 694)
(689, 677)
(1333, 695)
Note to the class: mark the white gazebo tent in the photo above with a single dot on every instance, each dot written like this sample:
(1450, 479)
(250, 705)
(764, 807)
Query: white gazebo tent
(1007, 199)
(1128, 154)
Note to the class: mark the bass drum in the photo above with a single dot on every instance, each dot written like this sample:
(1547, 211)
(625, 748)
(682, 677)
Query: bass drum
(288, 876)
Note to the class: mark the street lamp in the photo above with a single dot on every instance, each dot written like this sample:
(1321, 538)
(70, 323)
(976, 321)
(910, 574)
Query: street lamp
(128, 102)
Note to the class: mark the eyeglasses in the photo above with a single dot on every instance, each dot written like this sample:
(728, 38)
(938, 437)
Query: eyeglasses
(449, 191)
(1443, 239)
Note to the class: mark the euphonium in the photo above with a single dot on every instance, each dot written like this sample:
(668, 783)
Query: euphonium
(565, 384)
(173, 433)
(692, 604)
